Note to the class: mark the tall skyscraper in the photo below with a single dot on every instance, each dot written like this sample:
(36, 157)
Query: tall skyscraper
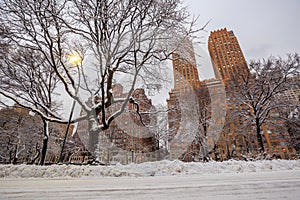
(219, 132)
(184, 68)
(185, 73)
(184, 101)
(226, 55)
(238, 137)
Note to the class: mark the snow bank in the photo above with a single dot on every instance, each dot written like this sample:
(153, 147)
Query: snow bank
(160, 168)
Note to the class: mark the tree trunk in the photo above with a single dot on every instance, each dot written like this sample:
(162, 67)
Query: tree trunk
(259, 137)
(93, 142)
(93, 138)
(203, 146)
(216, 153)
(14, 161)
(45, 142)
(37, 155)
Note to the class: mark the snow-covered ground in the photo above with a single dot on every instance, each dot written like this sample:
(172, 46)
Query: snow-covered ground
(277, 179)
(160, 168)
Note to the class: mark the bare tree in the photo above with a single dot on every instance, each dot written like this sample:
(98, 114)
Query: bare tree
(19, 135)
(159, 128)
(293, 125)
(26, 76)
(291, 114)
(114, 39)
(255, 94)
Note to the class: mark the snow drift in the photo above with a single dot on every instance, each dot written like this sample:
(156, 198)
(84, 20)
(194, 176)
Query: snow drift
(161, 168)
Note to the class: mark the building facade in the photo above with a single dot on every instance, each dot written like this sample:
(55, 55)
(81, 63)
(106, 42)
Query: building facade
(184, 105)
(226, 55)
(218, 131)
(21, 138)
(129, 138)
(238, 137)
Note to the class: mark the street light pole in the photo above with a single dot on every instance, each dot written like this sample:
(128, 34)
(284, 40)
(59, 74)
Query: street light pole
(75, 59)
(66, 133)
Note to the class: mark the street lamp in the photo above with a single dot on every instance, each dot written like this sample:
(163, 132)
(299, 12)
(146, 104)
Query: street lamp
(76, 60)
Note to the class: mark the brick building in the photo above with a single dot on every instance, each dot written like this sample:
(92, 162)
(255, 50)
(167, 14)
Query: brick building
(184, 104)
(128, 138)
(237, 137)
(21, 132)
(226, 55)
(218, 131)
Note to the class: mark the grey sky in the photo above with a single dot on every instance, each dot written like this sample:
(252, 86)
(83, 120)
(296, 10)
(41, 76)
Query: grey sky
(263, 27)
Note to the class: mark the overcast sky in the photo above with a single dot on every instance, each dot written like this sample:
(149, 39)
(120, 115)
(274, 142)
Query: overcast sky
(262, 27)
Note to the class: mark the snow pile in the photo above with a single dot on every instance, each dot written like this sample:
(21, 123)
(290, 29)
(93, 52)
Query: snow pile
(160, 168)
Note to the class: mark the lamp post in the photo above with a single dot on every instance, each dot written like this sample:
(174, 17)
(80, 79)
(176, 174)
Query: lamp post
(76, 60)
